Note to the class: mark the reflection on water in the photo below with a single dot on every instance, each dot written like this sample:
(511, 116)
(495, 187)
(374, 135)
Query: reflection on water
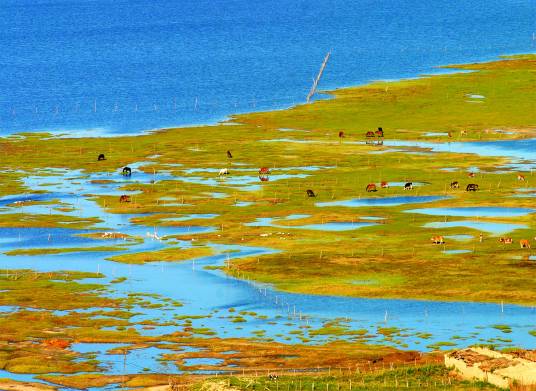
(385, 201)
(476, 211)
(491, 227)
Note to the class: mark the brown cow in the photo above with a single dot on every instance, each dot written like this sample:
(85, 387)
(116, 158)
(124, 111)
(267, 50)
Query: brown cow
(524, 243)
(124, 198)
(310, 193)
(521, 177)
(455, 185)
(437, 239)
(471, 174)
(264, 171)
(384, 185)
(379, 132)
(371, 187)
(369, 134)
(506, 240)
(341, 134)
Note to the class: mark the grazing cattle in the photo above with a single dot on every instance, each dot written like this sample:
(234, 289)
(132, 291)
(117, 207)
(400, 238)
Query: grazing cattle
(384, 185)
(126, 171)
(371, 187)
(471, 174)
(229, 155)
(524, 243)
(379, 132)
(437, 239)
(101, 157)
(310, 193)
(369, 134)
(463, 132)
(223, 171)
(341, 134)
(124, 198)
(521, 177)
(264, 178)
(455, 185)
(471, 187)
(273, 377)
(408, 186)
(506, 240)
(264, 170)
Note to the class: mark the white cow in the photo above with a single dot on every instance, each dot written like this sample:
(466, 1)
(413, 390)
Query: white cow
(223, 171)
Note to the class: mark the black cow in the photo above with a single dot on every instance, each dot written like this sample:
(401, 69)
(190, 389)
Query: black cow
(408, 186)
(310, 193)
(101, 157)
(455, 185)
(126, 171)
(229, 155)
(471, 187)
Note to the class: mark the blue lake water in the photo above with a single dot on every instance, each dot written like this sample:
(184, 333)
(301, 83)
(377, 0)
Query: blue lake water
(154, 64)
(383, 201)
(474, 211)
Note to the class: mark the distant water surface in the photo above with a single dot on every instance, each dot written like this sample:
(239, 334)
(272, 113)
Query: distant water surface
(127, 66)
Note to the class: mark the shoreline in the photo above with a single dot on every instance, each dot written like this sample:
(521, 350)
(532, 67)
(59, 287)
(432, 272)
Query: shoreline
(330, 92)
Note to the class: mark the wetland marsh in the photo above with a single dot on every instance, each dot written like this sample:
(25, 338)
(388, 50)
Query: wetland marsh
(179, 280)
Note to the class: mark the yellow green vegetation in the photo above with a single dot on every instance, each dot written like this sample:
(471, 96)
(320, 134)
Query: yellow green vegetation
(168, 255)
(408, 377)
(443, 103)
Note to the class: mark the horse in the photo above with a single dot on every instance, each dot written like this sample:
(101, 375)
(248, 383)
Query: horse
(101, 157)
(371, 187)
(223, 171)
(408, 186)
(471, 187)
(384, 185)
(264, 171)
(126, 171)
(437, 239)
(310, 193)
(506, 240)
(379, 132)
(124, 198)
(524, 243)
(455, 185)
(369, 134)
(521, 177)
(229, 155)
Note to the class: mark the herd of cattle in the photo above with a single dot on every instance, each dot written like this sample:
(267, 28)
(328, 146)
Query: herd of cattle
(523, 243)
(264, 173)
